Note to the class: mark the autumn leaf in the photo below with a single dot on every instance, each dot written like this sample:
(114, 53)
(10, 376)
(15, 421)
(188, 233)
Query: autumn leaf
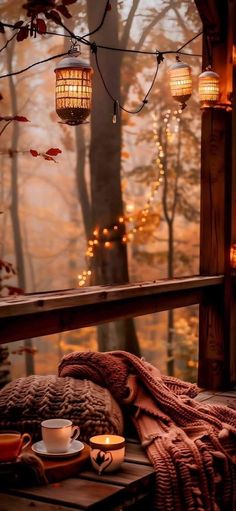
(22, 34)
(53, 15)
(41, 26)
(18, 24)
(34, 153)
(53, 151)
(125, 154)
(64, 11)
(8, 267)
(12, 290)
(46, 157)
(20, 118)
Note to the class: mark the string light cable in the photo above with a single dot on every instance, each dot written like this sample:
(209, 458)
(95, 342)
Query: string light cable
(82, 39)
(108, 235)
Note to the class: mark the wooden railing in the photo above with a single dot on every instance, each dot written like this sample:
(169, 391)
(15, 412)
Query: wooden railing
(34, 315)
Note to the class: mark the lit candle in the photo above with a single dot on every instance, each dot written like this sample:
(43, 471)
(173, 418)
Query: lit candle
(107, 452)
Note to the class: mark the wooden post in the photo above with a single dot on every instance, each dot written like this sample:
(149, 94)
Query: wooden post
(232, 319)
(213, 349)
(217, 311)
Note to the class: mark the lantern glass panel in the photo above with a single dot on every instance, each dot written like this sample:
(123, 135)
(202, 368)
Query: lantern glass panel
(181, 82)
(209, 90)
(73, 94)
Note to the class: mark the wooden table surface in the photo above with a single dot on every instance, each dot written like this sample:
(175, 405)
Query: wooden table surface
(128, 489)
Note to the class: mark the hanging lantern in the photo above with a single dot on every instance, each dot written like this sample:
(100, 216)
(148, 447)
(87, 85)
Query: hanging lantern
(233, 256)
(73, 89)
(209, 88)
(181, 82)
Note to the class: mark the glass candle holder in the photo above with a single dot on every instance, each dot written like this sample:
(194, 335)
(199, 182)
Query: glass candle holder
(107, 452)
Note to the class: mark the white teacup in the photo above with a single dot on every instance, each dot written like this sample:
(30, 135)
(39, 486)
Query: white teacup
(58, 434)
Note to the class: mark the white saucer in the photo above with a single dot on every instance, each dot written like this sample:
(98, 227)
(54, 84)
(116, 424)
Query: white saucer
(75, 447)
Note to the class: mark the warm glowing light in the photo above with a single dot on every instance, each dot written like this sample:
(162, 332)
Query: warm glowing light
(130, 208)
(181, 82)
(209, 89)
(121, 219)
(233, 256)
(73, 89)
(105, 231)
(107, 244)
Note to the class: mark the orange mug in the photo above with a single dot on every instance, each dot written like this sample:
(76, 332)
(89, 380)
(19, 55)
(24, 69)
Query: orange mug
(11, 444)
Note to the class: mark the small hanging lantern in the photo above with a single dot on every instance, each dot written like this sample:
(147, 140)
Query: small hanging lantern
(233, 256)
(181, 82)
(73, 89)
(209, 88)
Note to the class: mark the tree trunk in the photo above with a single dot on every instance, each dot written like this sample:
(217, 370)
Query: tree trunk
(169, 215)
(170, 321)
(29, 361)
(105, 163)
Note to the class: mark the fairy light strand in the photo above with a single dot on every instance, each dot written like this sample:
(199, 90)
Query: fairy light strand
(108, 235)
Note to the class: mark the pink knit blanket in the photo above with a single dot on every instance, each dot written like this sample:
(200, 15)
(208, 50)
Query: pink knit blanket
(191, 445)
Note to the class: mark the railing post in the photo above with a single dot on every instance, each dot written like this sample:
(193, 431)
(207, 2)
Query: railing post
(217, 232)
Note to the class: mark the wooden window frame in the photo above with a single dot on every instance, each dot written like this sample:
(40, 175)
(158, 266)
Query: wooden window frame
(215, 290)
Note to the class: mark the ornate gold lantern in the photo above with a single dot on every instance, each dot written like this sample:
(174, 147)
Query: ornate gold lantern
(181, 82)
(73, 89)
(209, 88)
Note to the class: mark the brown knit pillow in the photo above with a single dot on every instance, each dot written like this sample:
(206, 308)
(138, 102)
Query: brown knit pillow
(25, 402)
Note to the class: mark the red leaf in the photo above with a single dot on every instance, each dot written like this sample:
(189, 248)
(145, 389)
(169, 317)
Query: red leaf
(34, 153)
(20, 118)
(18, 24)
(41, 26)
(53, 15)
(2, 29)
(14, 290)
(53, 151)
(64, 11)
(22, 34)
(46, 157)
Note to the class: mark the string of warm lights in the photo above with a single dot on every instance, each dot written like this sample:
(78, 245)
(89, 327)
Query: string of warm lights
(134, 221)
(74, 78)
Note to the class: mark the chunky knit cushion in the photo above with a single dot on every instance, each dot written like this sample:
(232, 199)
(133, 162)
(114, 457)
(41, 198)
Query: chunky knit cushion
(25, 402)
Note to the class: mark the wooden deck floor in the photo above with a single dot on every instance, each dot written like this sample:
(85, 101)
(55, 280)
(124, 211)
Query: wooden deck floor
(227, 398)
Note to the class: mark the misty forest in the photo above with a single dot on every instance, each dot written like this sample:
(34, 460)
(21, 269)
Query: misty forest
(110, 201)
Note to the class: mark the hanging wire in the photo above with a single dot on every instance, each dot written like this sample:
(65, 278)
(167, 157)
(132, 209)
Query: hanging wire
(34, 64)
(111, 48)
(159, 59)
(190, 41)
(94, 47)
(208, 51)
(107, 7)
